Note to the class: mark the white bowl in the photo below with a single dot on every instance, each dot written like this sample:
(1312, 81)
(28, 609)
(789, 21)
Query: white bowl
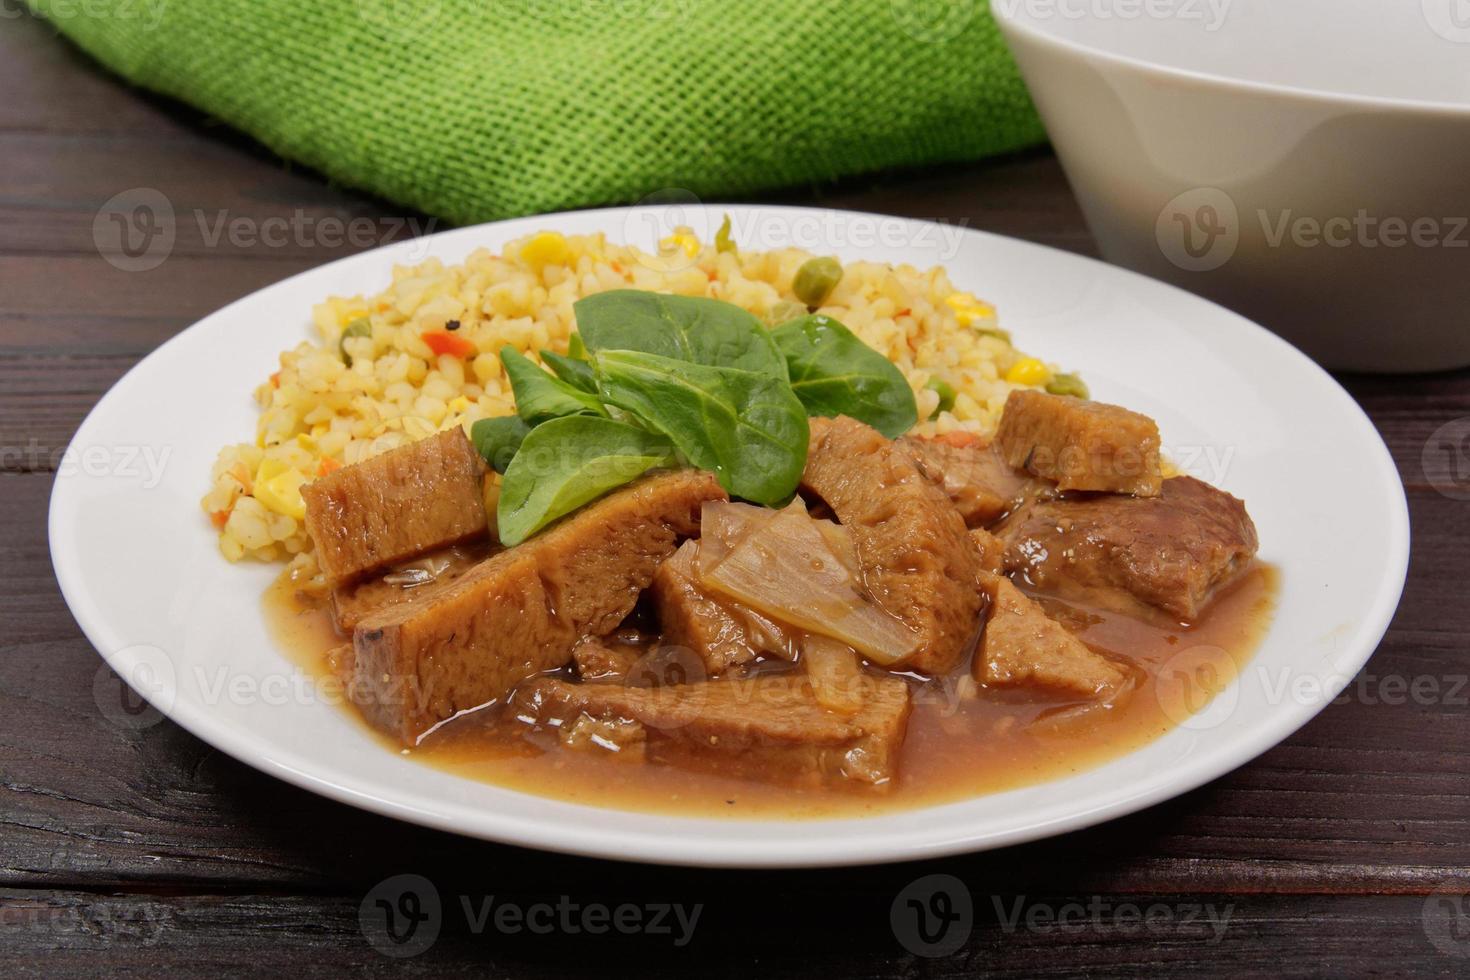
(1306, 163)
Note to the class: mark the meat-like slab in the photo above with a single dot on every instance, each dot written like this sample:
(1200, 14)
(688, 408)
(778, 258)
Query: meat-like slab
(1080, 444)
(914, 551)
(1173, 551)
(522, 611)
(355, 601)
(694, 619)
(769, 728)
(1022, 647)
(600, 660)
(992, 550)
(979, 482)
(395, 506)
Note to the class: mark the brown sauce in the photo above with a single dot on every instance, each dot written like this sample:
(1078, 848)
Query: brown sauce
(957, 746)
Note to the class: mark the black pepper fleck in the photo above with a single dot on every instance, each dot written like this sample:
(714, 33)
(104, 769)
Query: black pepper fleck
(452, 325)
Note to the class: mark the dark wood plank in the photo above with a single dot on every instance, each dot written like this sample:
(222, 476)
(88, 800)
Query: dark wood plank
(58, 933)
(50, 86)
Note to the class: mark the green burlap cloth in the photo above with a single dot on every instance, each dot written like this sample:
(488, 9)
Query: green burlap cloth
(479, 109)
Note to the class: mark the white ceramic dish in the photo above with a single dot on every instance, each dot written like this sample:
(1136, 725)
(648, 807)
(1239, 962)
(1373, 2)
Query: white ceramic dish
(139, 567)
(1302, 162)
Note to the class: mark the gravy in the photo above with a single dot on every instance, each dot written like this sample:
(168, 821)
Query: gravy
(961, 742)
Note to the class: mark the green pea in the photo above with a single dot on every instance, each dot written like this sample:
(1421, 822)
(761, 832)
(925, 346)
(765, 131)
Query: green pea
(784, 311)
(946, 395)
(357, 328)
(816, 279)
(1067, 384)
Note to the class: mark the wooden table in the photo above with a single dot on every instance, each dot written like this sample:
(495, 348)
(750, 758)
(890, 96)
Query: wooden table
(150, 850)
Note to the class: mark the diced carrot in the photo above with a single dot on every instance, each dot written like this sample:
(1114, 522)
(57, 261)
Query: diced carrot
(219, 519)
(327, 465)
(444, 342)
(960, 439)
(276, 380)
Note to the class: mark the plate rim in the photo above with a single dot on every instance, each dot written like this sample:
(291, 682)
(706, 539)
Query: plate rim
(653, 845)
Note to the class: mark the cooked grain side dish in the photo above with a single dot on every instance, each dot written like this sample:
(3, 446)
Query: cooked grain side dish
(712, 526)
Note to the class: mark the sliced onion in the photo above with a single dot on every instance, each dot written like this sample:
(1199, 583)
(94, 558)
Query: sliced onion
(786, 569)
(836, 676)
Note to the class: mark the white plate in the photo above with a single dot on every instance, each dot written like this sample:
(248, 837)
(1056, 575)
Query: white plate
(139, 566)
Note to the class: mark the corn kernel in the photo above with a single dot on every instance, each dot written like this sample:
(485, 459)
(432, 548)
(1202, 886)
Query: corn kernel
(968, 309)
(281, 492)
(459, 404)
(546, 248)
(1027, 371)
(680, 239)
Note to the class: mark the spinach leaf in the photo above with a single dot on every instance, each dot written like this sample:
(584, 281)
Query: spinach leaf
(499, 439)
(574, 371)
(686, 328)
(571, 461)
(749, 429)
(539, 396)
(835, 373)
(575, 347)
